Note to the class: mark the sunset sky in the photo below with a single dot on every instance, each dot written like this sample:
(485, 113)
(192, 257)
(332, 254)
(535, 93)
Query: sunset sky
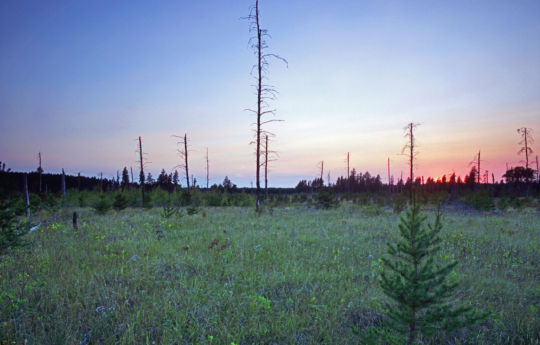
(81, 80)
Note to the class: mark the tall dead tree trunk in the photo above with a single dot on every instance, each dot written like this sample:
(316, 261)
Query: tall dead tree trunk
(259, 101)
(322, 172)
(411, 158)
(537, 172)
(526, 141)
(478, 167)
(348, 175)
(26, 195)
(389, 182)
(183, 153)
(186, 162)
(40, 171)
(410, 146)
(266, 169)
(141, 175)
(101, 182)
(207, 169)
(264, 92)
(132, 181)
(63, 183)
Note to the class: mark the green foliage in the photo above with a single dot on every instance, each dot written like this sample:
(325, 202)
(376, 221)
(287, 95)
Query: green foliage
(11, 228)
(51, 202)
(372, 210)
(517, 203)
(120, 202)
(35, 203)
(102, 206)
(420, 288)
(503, 204)
(147, 202)
(192, 210)
(317, 270)
(169, 209)
(81, 200)
(326, 199)
(400, 202)
(481, 200)
(216, 198)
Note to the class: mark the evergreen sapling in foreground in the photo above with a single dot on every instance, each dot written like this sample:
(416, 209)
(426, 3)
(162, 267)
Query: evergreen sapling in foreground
(420, 287)
(11, 228)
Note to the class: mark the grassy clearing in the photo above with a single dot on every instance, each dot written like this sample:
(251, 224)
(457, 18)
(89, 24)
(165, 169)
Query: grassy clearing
(297, 276)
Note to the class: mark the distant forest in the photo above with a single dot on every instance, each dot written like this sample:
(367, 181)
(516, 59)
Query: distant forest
(516, 181)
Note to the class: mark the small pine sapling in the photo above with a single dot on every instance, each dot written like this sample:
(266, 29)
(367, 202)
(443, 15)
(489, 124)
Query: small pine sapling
(169, 209)
(102, 206)
(419, 287)
(120, 202)
(11, 228)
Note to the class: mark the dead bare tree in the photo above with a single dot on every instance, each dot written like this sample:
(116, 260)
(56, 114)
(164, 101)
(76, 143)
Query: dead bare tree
(207, 169)
(265, 92)
(322, 172)
(389, 182)
(537, 172)
(26, 195)
(183, 153)
(476, 162)
(526, 141)
(348, 174)
(101, 182)
(63, 183)
(410, 146)
(40, 171)
(142, 162)
(269, 156)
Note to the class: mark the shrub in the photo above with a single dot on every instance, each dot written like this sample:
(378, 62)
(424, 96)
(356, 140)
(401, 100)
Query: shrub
(481, 200)
(82, 200)
(326, 199)
(169, 209)
(52, 202)
(120, 202)
(102, 206)
(503, 204)
(11, 229)
(192, 210)
(35, 203)
(420, 288)
(147, 202)
(400, 201)
(215, 198)
(517, 203)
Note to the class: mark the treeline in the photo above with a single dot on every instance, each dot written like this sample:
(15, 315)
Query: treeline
(518, 181)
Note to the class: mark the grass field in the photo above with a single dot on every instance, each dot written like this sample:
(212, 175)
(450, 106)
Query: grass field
(297, 276)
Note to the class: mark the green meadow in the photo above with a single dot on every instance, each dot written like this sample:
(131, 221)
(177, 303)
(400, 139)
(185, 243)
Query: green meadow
(295, 275)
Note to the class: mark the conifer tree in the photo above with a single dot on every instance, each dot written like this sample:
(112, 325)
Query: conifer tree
(125, 178)
(419, 287)
(11, 228)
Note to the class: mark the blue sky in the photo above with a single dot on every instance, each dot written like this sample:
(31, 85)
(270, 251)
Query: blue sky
(81, 80)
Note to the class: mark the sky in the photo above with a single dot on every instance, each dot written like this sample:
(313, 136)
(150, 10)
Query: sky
(80, 81)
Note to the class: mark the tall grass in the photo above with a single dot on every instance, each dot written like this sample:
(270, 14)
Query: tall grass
(296, 276)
